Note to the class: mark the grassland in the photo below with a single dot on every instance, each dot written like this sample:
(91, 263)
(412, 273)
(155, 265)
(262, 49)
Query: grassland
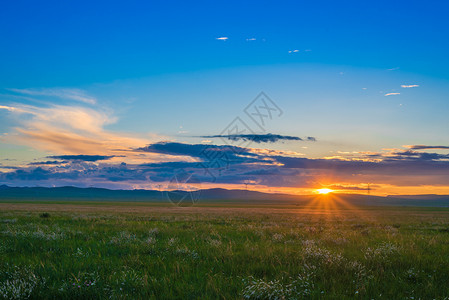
(141, 251)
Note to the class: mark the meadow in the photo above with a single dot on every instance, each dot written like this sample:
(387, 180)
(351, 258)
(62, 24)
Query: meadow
(154, 251)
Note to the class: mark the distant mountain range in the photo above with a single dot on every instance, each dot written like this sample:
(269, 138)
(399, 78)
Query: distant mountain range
(70, 193)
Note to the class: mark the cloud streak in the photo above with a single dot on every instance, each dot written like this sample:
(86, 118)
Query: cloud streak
(48, 162)
(82, 157)
(64, 93)
(260, 138)
(423, 147)
(76, 131)
(68, 130)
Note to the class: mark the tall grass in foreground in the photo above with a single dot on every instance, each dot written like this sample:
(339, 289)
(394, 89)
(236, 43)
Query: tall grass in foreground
(244, 254)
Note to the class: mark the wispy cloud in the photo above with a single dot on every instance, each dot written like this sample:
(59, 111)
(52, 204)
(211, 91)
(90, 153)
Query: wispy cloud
(82, 157)
(350, 187)
(48, 162)
(64, 93)
(68, 130)
(260, 138)
(408, 86)
(423, 147)
(392, 94)
(415, 155)
(250, 39)
(223, 38)
(10, 108)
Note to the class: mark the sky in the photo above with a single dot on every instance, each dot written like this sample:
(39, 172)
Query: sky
(274, 96)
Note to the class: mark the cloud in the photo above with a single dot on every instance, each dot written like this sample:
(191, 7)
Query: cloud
(223, 38)
(423, 147)
(293, 51)
(235, 165)
(177, 149)
(82, 157)
(202, 152)
(52, 162)
(65, 93)
(415, 155)
(29, 175)
(409, 86)
(9, 108)
(260, 138)
(250, 39)
(392, 94)
(349, 188)
(68, 129)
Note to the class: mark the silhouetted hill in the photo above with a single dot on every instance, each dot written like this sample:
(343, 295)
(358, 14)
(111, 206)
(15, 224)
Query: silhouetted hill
(70, 193)
(421, 197)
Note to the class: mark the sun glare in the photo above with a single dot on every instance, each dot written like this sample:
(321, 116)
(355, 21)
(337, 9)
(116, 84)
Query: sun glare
(324, 191)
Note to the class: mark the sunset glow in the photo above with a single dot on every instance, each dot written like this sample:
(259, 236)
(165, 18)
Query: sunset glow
(268, 107)
(224, 149)
(324, 191)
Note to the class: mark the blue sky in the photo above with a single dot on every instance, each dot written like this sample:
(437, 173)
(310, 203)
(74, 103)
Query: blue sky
(363, 78)
(56, 43)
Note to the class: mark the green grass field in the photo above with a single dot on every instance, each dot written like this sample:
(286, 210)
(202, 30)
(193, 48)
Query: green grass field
(138, 251)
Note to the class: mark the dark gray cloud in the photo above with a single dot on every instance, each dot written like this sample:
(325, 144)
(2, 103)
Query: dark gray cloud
(82, 157)
(177, 149)
(170, 165)
(86, 172)
(9, 167)
(260, 138)
(48, 162)
(391, 166)
(224, 153)
(30, 175)
(231, 164)
(424, 147)
(415, 155)
(193, 150)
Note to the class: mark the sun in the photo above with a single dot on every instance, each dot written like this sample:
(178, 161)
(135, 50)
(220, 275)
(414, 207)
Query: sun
(324, 191)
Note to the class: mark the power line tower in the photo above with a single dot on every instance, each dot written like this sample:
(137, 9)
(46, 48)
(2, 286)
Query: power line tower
(246, 182)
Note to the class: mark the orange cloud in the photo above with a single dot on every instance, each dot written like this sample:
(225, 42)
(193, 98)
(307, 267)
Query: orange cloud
(73, 130)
